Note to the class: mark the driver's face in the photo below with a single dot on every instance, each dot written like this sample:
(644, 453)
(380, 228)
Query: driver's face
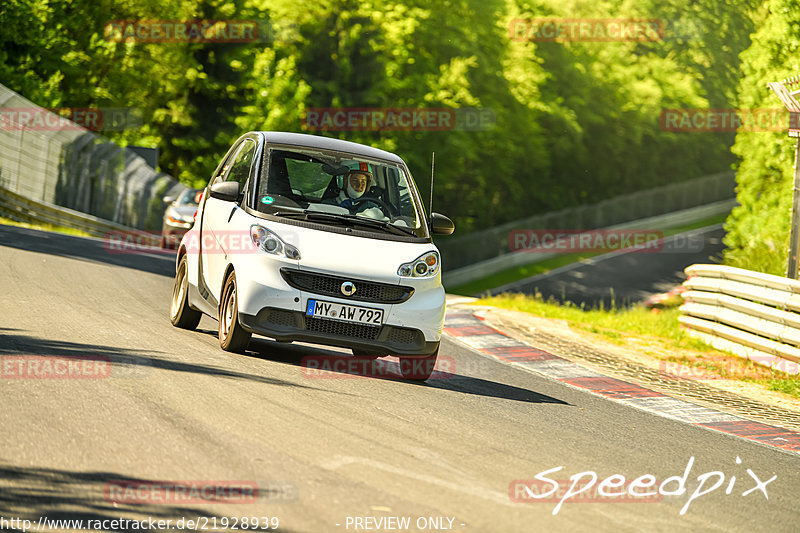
(358, 182)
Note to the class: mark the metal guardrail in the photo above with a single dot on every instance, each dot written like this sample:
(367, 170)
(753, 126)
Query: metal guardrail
(482, 269)
(21, 209)
(62, 163)
(753, 315)
(469, 249)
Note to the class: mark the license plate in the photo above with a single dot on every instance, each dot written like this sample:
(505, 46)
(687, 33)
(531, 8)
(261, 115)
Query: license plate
(344, 312)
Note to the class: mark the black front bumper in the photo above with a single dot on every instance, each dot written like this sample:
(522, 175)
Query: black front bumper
(284, 325)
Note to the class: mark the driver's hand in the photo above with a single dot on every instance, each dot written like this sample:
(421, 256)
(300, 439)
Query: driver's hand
(373, 212)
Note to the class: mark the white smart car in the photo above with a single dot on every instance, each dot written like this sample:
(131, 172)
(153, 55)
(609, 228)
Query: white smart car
(307, 238)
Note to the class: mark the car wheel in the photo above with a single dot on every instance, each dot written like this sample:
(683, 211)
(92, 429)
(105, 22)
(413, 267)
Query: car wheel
(418, 368)
(232, 337)
(366, 353)
(180, 314)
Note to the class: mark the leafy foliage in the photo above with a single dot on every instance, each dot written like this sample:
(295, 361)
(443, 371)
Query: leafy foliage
(758, 230)
(576, 122)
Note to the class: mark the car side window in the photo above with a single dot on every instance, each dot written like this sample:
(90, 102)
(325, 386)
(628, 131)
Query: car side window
(242, 163)
(220, 176)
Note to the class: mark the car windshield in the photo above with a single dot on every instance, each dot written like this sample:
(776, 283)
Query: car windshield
(356, 190)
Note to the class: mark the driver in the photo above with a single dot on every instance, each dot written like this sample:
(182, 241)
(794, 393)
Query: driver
(356, 183)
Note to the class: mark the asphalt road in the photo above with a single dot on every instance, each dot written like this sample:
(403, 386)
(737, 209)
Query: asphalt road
(324, 451)
(621, 279)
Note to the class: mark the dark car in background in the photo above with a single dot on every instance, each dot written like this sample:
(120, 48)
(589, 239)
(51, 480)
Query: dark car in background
(179, 216)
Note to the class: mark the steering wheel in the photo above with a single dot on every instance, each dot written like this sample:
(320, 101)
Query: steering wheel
(384, 207)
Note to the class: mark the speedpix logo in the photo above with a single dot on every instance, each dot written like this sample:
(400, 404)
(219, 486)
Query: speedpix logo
(645, 488)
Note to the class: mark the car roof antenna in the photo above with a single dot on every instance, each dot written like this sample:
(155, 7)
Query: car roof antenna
(430, 205)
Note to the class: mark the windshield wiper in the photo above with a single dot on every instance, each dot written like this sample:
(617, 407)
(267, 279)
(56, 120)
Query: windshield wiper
(290, 214)
(379, 224)
(342, 218)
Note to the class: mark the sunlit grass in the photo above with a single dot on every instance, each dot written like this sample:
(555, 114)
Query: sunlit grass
(43, 226)
(614, 324)
(640, 326)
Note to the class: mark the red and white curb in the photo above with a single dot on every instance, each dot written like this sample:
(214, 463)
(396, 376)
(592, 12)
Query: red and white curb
(470, 330)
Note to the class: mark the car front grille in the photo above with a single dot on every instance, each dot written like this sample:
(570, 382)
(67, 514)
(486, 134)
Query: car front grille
(342, 329)
(366, 291)
(405, 336)
(295, 325)
(279, 317)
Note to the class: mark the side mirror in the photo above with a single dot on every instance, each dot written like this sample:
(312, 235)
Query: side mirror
(227, 191)
(170, 199)
(441, 225)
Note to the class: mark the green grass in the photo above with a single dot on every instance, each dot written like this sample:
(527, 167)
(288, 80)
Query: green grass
(43, 226)
(614, 324)
(510, 275)
(790, 386)
(644, 327)
(710, 221)
(534, 268)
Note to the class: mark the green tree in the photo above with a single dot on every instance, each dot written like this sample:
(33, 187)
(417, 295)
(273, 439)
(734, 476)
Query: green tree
(758, 230)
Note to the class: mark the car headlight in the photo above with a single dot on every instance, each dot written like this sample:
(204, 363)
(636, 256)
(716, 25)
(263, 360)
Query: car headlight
(271, 243)
(424, 266)
(179, 220)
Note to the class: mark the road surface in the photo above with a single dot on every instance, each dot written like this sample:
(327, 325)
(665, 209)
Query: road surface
(329, 454)
(620, 279)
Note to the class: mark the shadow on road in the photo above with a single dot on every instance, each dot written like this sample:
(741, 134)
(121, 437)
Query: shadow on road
(320, 364)
(93, 250)
(123, 363)
(30, 493)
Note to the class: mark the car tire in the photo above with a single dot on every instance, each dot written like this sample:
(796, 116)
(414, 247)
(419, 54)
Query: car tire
(418, 368)
(180, 314)
(232, 336)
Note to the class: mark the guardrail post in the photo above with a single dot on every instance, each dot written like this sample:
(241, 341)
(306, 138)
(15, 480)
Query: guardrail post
(794, 242)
